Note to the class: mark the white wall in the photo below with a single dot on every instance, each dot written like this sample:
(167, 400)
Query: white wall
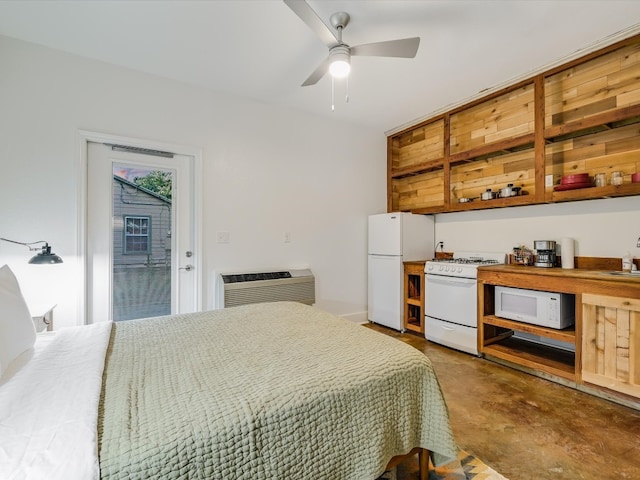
(600, 228)
(266, 170)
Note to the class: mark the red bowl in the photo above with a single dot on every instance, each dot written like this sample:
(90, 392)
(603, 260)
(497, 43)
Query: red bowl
(577, 178)
(635, 178)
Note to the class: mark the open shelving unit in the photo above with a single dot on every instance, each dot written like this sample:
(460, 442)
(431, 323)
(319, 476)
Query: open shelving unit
(535, 356)
(414, 296)
(606, 346)
(580, 117)
(500, 343)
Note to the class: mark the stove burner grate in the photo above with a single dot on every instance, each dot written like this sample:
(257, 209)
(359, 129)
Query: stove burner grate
(466, 261)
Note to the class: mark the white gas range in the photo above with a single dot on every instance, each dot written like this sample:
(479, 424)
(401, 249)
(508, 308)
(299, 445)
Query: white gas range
(451, 299)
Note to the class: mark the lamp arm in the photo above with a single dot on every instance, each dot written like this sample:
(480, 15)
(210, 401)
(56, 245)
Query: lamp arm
(28, 245)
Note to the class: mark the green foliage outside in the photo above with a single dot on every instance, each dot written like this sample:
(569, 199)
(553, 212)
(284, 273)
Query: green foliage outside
(157, 181)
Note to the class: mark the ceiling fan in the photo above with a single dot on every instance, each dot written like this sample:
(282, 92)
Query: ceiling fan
(338, 63)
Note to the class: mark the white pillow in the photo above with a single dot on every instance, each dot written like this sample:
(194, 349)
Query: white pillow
(17, 332)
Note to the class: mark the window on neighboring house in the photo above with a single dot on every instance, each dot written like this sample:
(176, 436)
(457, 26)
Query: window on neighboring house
(137, 234)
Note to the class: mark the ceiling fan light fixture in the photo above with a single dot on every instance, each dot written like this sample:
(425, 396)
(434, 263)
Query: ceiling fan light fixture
(340, 59)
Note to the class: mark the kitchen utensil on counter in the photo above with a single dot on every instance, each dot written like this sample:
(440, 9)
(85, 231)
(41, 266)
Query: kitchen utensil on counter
(521, 256)
(488, 195)
(544, 245)
(546, 252)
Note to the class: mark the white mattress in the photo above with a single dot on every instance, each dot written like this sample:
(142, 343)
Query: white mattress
(57, 383)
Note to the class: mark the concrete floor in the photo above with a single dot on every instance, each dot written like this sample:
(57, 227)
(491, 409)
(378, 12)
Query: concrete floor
(529, 428)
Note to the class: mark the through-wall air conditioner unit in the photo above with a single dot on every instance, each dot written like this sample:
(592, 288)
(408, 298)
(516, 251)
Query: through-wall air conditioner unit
(275, 286)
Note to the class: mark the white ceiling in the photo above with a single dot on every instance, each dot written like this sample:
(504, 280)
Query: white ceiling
(261, 49)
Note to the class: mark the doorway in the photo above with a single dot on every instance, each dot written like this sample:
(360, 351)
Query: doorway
(140, 233)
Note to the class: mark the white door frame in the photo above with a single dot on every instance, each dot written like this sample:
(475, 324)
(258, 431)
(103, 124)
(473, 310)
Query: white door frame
(83, 138)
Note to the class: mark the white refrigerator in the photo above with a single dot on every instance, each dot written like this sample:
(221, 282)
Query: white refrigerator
(394, 238)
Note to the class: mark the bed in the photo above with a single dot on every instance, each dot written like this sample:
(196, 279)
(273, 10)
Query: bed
(264, 391)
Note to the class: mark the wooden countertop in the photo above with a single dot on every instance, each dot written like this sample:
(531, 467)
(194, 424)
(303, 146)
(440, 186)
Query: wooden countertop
(415, 262)
(561, 280)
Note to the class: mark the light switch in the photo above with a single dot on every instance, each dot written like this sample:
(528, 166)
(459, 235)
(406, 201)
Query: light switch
(222, 237)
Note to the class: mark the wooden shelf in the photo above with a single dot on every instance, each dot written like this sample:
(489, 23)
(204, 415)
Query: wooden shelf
(414, 296)
(494, 203)
(595, 123)
(428, 210)
(567, 335)
(415, 325)
(418, 168)
(551, 360)
(494, 149)
(608, 191)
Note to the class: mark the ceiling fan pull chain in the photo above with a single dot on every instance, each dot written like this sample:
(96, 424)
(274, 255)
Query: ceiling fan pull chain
(346, 99)
(333, 106)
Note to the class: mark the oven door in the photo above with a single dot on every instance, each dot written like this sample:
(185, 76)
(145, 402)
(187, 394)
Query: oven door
(452, 299)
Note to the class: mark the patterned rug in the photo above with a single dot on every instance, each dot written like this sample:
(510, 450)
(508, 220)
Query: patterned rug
(465, 467)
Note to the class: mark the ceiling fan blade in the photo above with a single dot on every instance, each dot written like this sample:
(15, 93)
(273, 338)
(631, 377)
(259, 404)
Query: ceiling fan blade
(317, 74)
(313, 21)
(405, 48)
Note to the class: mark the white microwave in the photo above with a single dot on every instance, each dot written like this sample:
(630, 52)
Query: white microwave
(547, 309)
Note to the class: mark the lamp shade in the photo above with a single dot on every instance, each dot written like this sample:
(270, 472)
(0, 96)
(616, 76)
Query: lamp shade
(45, 257)
(340, 59)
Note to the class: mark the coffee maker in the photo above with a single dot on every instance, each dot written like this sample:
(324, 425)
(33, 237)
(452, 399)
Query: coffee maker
(546, 253)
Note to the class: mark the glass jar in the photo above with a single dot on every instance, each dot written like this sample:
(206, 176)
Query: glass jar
(616, 178)
(601, 179)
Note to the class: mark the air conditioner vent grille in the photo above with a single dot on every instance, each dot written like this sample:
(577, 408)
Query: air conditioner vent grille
(279, 286)
(253, 277)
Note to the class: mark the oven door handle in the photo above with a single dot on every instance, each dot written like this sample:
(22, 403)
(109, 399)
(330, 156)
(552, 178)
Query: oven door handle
(444, 327)
(451, 281)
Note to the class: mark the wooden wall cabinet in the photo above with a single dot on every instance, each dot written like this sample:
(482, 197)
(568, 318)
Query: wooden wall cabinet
(414, 296)
(581, 117)
(611, 343)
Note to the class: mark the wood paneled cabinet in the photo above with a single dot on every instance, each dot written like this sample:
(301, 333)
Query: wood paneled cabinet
(606, 334)
(611, 343)
(580, 117)
(414, 296)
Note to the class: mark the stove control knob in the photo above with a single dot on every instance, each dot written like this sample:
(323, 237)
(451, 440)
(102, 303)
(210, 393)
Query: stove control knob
(446, 269)
(459, 269)
(440, 268)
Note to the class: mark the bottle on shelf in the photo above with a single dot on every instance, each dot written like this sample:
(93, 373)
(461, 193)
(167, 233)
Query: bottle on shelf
(626, 262)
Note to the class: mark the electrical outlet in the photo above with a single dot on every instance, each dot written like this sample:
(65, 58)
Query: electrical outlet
(548, 181)
(222, 237)
(286, 238)
(638, 243)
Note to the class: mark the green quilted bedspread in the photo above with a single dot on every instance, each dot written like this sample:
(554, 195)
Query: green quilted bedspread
(263, 391)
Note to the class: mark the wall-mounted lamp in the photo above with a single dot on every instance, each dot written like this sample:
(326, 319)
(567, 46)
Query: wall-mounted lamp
(44, 257)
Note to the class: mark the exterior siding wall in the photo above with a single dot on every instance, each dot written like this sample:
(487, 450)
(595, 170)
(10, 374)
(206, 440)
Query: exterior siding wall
(129, 201)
